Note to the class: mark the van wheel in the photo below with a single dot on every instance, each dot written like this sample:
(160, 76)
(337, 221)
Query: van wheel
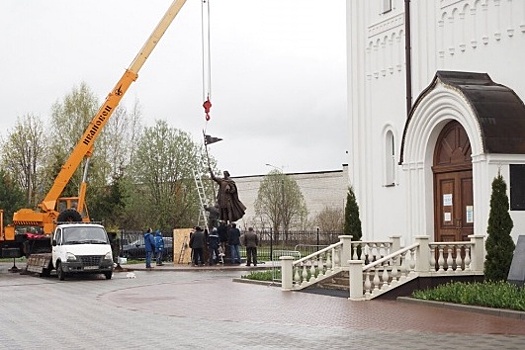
(69, 215)
(46, 272)
(108, 275)
(60, 273)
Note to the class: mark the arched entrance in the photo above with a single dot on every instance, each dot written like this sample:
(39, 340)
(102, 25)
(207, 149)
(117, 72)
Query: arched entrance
(453, 192)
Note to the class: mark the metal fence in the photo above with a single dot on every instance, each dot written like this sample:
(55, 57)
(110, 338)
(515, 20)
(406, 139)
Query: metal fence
(272, 245)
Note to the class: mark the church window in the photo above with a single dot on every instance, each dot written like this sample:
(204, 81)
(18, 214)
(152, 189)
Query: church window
(387, 6)
(390, 159)
(517, 186)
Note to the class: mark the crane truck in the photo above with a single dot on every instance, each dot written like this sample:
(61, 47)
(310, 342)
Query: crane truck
(15, 239)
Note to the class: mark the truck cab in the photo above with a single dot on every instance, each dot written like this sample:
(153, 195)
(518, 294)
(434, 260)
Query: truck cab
(81, 248)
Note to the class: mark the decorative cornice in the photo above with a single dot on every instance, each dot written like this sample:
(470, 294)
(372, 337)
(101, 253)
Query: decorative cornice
(447, 3)
(386, 25)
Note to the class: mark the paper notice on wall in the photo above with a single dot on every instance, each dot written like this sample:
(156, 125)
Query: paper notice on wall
(470, 214)
(447, 200)
(448, 217)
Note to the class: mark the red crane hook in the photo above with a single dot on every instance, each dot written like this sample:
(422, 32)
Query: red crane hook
(207, 106)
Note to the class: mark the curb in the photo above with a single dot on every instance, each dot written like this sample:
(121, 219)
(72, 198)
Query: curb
(172, 268)
(262, 283)
(520, 315)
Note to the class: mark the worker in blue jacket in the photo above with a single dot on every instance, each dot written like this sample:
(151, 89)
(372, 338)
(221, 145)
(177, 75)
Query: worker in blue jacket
(149, 245)
(159, 247)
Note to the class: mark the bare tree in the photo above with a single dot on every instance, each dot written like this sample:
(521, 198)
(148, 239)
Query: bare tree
(280, 200)
(23, 154)
(118, 142)
(330, 220)
(112, 152)
(69, 119)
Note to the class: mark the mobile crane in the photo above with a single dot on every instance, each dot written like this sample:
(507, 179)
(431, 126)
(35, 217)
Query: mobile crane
(53, 208)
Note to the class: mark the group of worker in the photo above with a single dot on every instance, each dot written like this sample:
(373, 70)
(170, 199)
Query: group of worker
(154, 245)
(217, 241)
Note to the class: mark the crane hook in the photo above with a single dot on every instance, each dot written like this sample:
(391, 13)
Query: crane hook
(207, 107)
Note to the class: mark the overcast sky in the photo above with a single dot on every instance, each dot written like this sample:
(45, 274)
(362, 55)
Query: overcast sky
(278, 72)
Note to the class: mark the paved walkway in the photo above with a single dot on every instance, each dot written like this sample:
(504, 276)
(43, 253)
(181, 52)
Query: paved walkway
(201, 308)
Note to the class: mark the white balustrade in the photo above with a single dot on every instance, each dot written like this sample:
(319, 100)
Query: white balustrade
(385, 268)
(450, 261)
(312, 270)
(453, 257)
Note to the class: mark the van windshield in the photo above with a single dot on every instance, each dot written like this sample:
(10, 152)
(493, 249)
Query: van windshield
(83, 235)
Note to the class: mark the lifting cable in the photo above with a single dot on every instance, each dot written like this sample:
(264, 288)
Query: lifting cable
(206, 74)
(206, 58)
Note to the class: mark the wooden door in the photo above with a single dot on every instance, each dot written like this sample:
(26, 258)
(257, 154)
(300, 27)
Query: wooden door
(454, 206)
(453, 199)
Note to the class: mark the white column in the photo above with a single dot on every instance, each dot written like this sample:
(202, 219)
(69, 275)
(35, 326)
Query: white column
(286, 273)
(396, 243)
(423, 254)
(478, 252)
(346, 250)
(356, 279)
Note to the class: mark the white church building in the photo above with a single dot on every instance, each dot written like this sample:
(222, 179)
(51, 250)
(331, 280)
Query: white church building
(435, 96)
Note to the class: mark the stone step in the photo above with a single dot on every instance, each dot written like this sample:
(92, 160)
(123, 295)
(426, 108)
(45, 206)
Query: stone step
(333, 286)
(338, 282)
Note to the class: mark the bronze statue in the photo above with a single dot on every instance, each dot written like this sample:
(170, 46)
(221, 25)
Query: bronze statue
(231, 208)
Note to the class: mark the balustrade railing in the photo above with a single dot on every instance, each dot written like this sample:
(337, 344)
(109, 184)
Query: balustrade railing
(314, 267)
(450, 256)
(378, 266)
(383, 273)
(420, 259)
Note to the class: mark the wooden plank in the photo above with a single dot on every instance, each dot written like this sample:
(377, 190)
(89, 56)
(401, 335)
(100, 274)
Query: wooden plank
(181, 249)
(38, 262)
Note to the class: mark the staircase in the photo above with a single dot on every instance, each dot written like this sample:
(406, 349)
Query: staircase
(374, 268)
(340, 281)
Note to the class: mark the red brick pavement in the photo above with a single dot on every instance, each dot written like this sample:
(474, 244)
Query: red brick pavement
(221, 299)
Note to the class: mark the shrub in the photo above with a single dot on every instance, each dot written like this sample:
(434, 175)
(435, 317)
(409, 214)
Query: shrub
(267, 275)
(499, 294)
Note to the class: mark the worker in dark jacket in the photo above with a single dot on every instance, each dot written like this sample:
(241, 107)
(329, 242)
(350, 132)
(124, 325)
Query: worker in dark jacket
(197, 243)
(250, 241)
(234, 241)
(222, 230)
(213, 246)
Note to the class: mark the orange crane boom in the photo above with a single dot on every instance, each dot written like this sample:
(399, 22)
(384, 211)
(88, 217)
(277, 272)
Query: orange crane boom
(47, 216)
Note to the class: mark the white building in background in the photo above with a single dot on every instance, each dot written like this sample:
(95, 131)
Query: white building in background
(320, 189)
(429, 171)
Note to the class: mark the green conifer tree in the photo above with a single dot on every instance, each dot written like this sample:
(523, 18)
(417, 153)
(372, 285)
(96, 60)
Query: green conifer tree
(352, 224)
(499, 245)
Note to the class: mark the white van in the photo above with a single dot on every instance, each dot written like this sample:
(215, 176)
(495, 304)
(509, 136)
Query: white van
(81, 248)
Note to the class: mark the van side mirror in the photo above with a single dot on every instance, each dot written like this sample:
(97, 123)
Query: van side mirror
(54, 243)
